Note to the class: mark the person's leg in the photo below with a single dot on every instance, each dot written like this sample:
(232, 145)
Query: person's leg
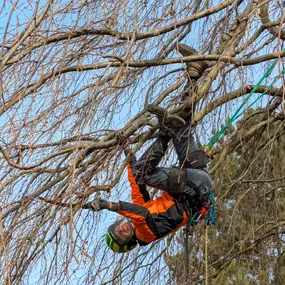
(167, 179)
(184, 144)
(158, 179)
(174, 180)
(145, 168)
(171, 180)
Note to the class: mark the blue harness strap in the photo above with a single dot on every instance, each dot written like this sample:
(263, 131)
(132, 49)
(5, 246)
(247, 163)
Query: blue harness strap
(210, 218)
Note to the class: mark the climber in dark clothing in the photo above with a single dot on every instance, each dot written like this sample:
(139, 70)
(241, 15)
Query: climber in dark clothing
(185, 188)
(185, 193)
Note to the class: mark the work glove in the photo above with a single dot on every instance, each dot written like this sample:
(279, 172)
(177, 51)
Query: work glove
(100, 204)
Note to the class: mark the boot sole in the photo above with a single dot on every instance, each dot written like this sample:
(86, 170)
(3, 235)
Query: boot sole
(164, 119)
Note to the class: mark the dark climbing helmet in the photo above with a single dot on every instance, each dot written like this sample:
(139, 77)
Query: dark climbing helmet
(115, 245)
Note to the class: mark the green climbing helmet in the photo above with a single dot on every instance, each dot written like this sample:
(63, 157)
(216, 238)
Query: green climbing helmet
(113, 244)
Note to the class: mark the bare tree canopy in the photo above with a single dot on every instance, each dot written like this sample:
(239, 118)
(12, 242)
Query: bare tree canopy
(75, 80)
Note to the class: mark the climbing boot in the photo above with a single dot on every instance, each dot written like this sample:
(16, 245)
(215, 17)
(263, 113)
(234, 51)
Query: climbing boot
(194, 69)
(165, 120)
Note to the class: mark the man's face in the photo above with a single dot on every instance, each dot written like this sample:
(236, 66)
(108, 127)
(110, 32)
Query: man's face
(123, 232)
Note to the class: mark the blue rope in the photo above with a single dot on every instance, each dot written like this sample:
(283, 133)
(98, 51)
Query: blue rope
(210, 219)
(211, 215)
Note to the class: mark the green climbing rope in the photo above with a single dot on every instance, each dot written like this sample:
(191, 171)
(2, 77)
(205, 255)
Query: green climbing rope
(264, 92)
(237, 113)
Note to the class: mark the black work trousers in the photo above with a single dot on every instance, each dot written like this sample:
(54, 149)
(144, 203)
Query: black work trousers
(147, 172)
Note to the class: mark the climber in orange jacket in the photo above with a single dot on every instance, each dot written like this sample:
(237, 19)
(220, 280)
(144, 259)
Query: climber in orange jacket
(185, 193)
(185, 189)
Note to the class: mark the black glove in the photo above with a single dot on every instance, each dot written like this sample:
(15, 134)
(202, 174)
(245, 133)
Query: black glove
(100, 204)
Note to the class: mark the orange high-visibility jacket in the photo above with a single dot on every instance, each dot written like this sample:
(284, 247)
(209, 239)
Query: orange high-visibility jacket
(152, 219)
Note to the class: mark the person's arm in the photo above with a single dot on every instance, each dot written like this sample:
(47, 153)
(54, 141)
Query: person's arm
(129, 210)
(142, 220)
(139, 196)
(100, 204)
(139, 193)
